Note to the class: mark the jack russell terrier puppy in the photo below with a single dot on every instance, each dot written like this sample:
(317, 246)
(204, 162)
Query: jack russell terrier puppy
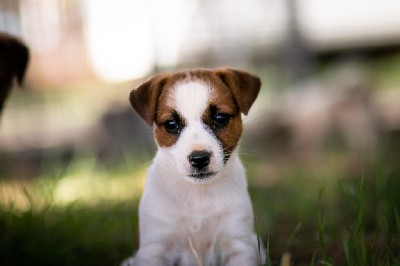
(195, 209)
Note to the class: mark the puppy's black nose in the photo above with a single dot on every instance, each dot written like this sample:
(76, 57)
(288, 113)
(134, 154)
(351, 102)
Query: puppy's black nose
(199, 159)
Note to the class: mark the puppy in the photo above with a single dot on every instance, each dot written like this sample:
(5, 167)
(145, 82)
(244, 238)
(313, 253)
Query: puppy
(195, 209)
(14, 56)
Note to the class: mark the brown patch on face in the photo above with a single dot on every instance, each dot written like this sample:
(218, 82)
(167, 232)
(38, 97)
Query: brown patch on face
(233, 92)
(166, 112)
(222, 102)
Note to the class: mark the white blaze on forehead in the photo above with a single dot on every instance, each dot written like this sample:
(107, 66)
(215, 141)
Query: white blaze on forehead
(191, 98)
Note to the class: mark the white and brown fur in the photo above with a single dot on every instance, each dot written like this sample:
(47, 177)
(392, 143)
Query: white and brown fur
(195, 209)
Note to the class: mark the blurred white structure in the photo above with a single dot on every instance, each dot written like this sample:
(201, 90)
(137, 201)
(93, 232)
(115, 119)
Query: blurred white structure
(126, 39)
(119, 38)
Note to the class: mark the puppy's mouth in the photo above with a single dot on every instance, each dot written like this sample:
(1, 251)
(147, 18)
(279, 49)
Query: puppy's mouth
(202, 175)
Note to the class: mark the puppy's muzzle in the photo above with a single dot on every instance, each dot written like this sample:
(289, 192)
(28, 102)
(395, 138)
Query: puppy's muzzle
(199, 159)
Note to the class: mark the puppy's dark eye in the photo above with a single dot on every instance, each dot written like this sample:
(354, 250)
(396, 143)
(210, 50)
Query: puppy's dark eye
(220, 120)
(172, 126)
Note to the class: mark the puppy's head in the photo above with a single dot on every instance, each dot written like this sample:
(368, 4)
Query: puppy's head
(197, 116)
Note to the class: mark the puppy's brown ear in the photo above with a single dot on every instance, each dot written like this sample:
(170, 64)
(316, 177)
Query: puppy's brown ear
(15, 55)
(144, 99)
(244, 86)
(21, 58)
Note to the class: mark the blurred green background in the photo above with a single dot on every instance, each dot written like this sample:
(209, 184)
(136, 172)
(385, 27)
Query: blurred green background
(321, 144)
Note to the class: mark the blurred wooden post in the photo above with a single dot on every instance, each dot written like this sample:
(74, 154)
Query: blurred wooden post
(297, 56)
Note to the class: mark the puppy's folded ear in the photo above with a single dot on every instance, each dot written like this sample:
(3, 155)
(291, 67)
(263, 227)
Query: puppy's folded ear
(244, 86)
(144, 99)
(20, 58)
(14, 57)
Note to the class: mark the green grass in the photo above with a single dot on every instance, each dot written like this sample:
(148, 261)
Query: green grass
(70, 236)
(332, 218)
(315, 216)
(363, 247)
(88, 216)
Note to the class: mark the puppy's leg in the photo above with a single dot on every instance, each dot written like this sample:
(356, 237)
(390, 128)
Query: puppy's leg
(156, 247)
(148, 255)
(188, 258)
(239, 242)
(242, 252)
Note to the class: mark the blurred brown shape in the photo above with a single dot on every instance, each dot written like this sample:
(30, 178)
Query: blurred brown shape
(14, 57)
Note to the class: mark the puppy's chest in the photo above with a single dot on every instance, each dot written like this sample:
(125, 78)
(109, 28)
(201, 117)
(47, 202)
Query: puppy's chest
(196, 223)
(202, 230)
